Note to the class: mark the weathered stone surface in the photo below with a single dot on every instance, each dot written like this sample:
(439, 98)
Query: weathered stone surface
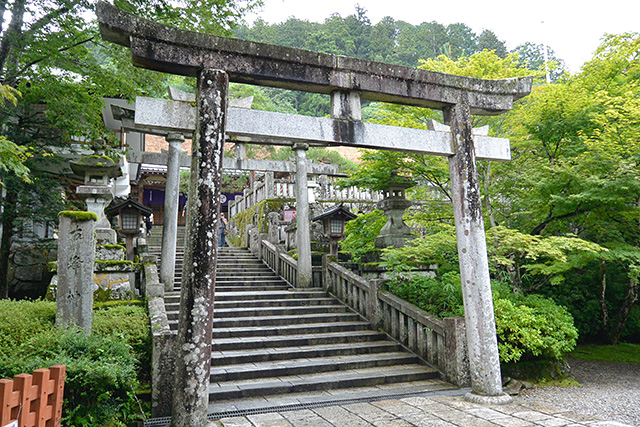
(303, 237)
(285, 129)
(109, 253)
(117, 285)
(171, 202)
(163, 358)
(76, 252)
(163, 48)
(193, 361)
(472, 252)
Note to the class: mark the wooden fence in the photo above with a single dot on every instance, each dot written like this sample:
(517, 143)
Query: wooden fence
(33, 400)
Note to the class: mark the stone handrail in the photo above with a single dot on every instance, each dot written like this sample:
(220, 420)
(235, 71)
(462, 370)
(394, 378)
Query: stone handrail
(285, 189)
(281, 263)
(440, 342)
(163, 340)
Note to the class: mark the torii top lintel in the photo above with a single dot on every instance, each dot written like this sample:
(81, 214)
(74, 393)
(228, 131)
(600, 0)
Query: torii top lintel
(168, 49)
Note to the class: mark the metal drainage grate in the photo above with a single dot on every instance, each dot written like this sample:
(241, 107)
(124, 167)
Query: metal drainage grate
(165, 421)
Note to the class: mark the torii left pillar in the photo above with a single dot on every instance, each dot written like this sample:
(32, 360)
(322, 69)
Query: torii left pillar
(195, 324)
(170, 221)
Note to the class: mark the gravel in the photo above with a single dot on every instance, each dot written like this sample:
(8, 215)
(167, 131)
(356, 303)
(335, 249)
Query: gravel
(610, 391)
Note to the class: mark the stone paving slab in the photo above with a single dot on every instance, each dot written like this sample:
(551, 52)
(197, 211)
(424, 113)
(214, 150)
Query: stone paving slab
(422, 411)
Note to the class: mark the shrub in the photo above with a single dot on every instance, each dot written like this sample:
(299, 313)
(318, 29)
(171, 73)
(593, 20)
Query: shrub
(100, 379)
(531, 327)
(528, 327)
(128, 323)
(101, 368)
(442, 297)
(21, 320)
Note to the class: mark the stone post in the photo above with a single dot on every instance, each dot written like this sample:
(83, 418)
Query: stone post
(195, 324)
(171, 202)
(303, 236)
(76, 256)
(269, 183)
(482, 342)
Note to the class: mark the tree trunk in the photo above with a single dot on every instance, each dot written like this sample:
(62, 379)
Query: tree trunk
(602, 297)
(9, 211)
(615, 331)
(10, 36)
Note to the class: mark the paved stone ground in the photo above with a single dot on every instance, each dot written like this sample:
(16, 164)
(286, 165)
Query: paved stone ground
(420, 411)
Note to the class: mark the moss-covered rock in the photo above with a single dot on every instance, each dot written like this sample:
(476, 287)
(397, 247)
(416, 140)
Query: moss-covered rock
(77, 216)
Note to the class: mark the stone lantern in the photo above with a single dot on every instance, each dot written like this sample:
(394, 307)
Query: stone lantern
(333, 220)
(97, 171)
(395, 233)
(129, 215)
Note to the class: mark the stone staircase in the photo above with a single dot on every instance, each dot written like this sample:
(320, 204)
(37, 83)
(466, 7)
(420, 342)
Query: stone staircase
(275, 345)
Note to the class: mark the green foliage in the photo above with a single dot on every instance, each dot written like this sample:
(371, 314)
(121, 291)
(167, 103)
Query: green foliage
(361, 233)
(12, 159)
(100, 375)
(101, 368)
(439, 248)
(441, 296)
(22, 320)
(127, 323)
(531, 326)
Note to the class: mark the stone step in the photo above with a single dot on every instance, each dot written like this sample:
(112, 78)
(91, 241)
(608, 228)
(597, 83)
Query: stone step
(289, 302)
(290, 329)
(249, 281)
(321, 381)
(270, 310)
(275, 295)
(242, 322)
(254, 288)
(318, 365)
(260, 342)
(335, 351)
(222, 313)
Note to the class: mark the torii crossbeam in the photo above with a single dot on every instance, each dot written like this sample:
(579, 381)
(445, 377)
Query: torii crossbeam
(215, 61)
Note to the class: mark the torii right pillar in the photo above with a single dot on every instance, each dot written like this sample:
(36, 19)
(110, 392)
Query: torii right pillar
(482, 342)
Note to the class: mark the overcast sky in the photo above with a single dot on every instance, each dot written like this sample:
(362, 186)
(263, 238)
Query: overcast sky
(572, 28)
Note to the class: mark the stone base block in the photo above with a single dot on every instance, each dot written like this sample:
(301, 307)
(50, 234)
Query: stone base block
(501, 399)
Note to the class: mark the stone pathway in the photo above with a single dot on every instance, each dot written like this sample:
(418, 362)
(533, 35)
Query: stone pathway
(420, 411)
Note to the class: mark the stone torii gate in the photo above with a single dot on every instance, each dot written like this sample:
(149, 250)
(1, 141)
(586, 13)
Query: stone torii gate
(214, 61)
(175, 120)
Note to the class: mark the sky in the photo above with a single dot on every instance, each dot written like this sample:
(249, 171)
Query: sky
(572, 28)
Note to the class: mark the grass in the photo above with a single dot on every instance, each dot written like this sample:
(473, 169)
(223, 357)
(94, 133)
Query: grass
(629, 353)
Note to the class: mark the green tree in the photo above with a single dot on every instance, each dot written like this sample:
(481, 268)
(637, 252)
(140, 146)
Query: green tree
(488, 40)
(53, 55)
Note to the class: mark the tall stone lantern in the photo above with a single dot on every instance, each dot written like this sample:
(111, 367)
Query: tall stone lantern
(395, 233)
(96, 192)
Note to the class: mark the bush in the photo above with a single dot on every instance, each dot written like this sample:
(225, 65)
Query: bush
(532, 327)
(528, 327)
(21, 320)
(100, 379)
(101, 368)
(128, 323)
(442, 298)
